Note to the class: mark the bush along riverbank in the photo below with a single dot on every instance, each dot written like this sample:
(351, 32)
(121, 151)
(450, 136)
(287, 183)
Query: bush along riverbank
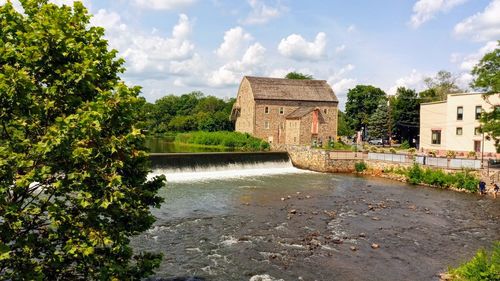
(238, 141)
(484, 266)
(464, 180)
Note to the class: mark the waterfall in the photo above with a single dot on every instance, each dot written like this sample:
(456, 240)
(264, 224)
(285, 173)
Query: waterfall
(184, 167)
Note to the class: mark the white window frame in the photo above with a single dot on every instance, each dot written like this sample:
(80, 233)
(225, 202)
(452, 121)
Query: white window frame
(282, 110)
(266, 124)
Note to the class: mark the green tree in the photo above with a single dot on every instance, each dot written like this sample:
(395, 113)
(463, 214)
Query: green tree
(378, 126)
(487, 79)
(440, 86)
(406, 115)
(298, 75)
(343, 125)
(362, 101)
(73, 171)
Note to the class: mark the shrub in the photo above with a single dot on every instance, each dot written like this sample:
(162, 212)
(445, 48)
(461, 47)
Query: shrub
(405, 145)
(466, 180)
(412, 151)
(360, 167)
(415, 174)
(392, 150)
(484, 266)
(373, 149)
(432, 153)
(451, 154)
(471, 154)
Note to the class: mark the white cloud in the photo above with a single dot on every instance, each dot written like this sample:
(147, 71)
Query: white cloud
(262, 13)
(469, 61)
(340, 49)
(425, 10)
(235, 39)
(343, 85)
(481, 26)
(296, 47)
(144, 53)
(230, 73)
(163, 4)
(351, 28)
(415, 80)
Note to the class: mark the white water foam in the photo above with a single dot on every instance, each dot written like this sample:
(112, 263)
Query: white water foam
(229, 171)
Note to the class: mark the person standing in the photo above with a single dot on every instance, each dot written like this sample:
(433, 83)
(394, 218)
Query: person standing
(495, 190)
(482, 187)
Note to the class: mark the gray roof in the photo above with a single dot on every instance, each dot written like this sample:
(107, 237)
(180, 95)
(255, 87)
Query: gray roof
(300, 112)
(291, 89)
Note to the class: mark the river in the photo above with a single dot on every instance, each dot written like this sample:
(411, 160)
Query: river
(298, 225)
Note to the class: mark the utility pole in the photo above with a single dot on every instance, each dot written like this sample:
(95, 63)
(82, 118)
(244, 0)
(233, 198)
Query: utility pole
(390, 123)
(482, 149)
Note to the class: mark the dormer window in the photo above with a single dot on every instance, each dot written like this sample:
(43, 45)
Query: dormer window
(266, 110)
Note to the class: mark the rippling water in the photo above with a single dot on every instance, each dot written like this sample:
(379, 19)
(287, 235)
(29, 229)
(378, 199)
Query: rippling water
(297, 225)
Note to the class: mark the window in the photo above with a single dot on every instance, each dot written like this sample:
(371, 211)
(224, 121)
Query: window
(325, 111)
(282, 110)
(436, 137)
(266, 124)
(479, 110)
(477, 131)
(460, 131)
(282, 126)
(460, 113)
(266, 110)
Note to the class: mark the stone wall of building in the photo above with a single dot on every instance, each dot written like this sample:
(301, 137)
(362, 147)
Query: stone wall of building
(245, 120)
(277, 122)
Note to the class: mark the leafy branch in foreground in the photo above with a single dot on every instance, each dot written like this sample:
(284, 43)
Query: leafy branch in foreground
(73, 170)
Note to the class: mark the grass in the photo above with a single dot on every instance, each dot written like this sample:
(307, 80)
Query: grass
(436, 177)
(234, 140)
(484, 266)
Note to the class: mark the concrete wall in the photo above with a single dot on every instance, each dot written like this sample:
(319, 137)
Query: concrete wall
(444, 116)
(432, 117)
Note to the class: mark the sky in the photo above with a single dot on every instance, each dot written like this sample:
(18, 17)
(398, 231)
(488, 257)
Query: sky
(179, 46)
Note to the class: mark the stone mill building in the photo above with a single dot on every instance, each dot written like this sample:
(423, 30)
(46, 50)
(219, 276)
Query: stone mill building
(286, 111)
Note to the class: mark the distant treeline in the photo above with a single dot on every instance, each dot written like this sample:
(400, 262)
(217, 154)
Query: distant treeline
(189, 112)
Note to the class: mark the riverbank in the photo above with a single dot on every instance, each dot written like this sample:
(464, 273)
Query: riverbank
(320, 160)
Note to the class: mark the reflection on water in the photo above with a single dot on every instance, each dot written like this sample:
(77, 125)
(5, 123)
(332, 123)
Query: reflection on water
(304, 226)
(166, 145)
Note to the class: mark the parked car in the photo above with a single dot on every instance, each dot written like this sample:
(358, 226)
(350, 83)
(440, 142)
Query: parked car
(375, 142)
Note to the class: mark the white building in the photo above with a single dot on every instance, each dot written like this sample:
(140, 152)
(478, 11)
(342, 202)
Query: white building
(454, 125)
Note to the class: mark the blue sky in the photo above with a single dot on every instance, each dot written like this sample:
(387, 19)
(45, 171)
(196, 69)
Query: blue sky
(178, 46)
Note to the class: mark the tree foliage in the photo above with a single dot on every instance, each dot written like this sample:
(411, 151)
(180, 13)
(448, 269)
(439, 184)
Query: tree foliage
(487, 79)
(406, 115)
(362, 101)
(188, 112)
(378, 126)
(73, 185)
(298, 75)
(440, 86)
(487, 72)
(343, 128)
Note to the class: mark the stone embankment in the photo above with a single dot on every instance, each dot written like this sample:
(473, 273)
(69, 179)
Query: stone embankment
(321, 160)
